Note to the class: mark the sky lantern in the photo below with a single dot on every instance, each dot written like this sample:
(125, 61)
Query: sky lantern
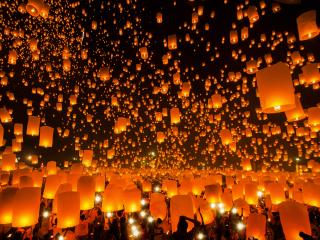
(252, 14)
(7, 196)
(99, 183)
(181, 205)
(216, 101)
(213, 193)
(132, 200)
(1, 135)
(186, 87)
(51, 186)
(158, 206)
(160, 137)
(175, 115)
(46, 136)
(113, 199)
(294, 219)
(26, 206)
(314, 118)
(251, 190)
(25, 181)
(170, 186)
(86, 189)
(12, 57)
(143, 53)
(256, 226)
(33, 126)
(87, 157)
(311, 74)
(296, 113)
(68, 209)
(18, 129)
(275, 87)
(51, 168)
(8, 162)
(233, 36)
(226, 136)
(307, 25)
(159, 17)
(277, 194)
(172, 42)
(34, 7)
(311, 194)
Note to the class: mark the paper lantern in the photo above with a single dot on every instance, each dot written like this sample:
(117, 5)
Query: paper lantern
(170, 187)
(158, 206)
(46, 136)
(132, 200)
(252, 14)
(181, 205)
(206, 212)
(33, 126)
(8, 162)
(294, 219)
(172, 42)
(307, 25)
(86, 189)
(1, 136)
(296, 113)
(216, 101)
(175, 115)
(18, 129)
(51, 168)
(6, 204)
(99, 183)
(226, 137)
(311, 74)
(251, 195)
(25, 181)
(314, 118)
(34, 7)
(51, 186)
(143, 53)
(113, 199)
(26, 206)
(186, 87)
(213, 193)
(12, 57)
(68, 209)
(275, 88)
(277, 194)
(226, 199)
(64, 187)
(256, 226)
(87, 157)
(311, 194)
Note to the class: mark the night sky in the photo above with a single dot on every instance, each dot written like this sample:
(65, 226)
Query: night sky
(204, 57)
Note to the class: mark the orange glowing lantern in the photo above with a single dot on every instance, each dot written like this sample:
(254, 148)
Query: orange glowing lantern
(7, 196)
(51, 168)
(307, 25)
(181, 205)
(132, 200)
(213, 193)
(256, 226)
(113, 199)
(26, 206)
(68, 209)
(175, 115)
(33, 126)
(226, 136)
(8, 162)
(86, 189)
(251, 195)
(34, 7)
(87, 157)
(51, 186)
(296, 113)
(158, 206)
(172, 42)
(46, 136)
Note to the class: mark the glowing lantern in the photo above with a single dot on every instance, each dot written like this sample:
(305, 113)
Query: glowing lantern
(8, 162)
(226, 199)
(46, 136)
(307, 25)
(160, 137)
(26, 206)
(159, 17)
(132, 200)
(213, 193)
(86, 189)
(256, 226)
(33, 126)
(311, 194)
(172, 42)
(64, 187)
(51, 168)
(276, 193)
(34, 7)
(186, 87)
(314, 118)
(296, 113)
(25, 181)
(251, 195)
(13, 56)
(144, 53)
(68, 209)
(6, 204)
(1, 135)
(99, 183)
(226, 137)
(275, 88)
(18, 129)
(113, 199)
(87, 157)
(216, 101)
(158, 206)
(170, 186)
(181, 205)
(294, 219)
(175, 115)
(44, 12)
(51, 186)
(252, 14)
(233, 37)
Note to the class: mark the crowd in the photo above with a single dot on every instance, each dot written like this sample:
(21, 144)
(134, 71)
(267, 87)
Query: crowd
(94, 224)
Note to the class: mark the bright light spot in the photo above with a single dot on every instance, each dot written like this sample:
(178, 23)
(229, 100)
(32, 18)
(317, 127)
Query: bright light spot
(297, 159)
(109, 214)
(45, 214)
(131, 220)
(143, 202)
(234, 210)
(221, 210)
(260, 194)
(240, 226)
(98, 199)
(212, 205)
(153, 154)
(277, 108)
(150, 219)
(200, 236)
(143, 214)
(220, 205)
(157, 189)
(60, 237)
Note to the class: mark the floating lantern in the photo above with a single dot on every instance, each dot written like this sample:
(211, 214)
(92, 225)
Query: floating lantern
(68, 209)
(86, 189)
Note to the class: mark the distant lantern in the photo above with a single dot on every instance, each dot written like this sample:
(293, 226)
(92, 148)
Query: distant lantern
(26, 206)
(66, 65)
(252, 14)
(307, 25)
(311, 74)
(216, 101)
(143, 53)
(172, 42)
(186, 87)
(34, 7)
(68, 209)
(104, 74)
(6, 204)
(51, 186)
(1, 136)
(132, 200)
(226, 136)
(86, 189)
(233, 36)
(44, 12)
(314, 118)
(160, 137)
(275, 88)
(296, 113)
(46, 136)
(175, 115)
(33, 126)
(13, 56)
(8, 161)
(159, 17)
(18, 129)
